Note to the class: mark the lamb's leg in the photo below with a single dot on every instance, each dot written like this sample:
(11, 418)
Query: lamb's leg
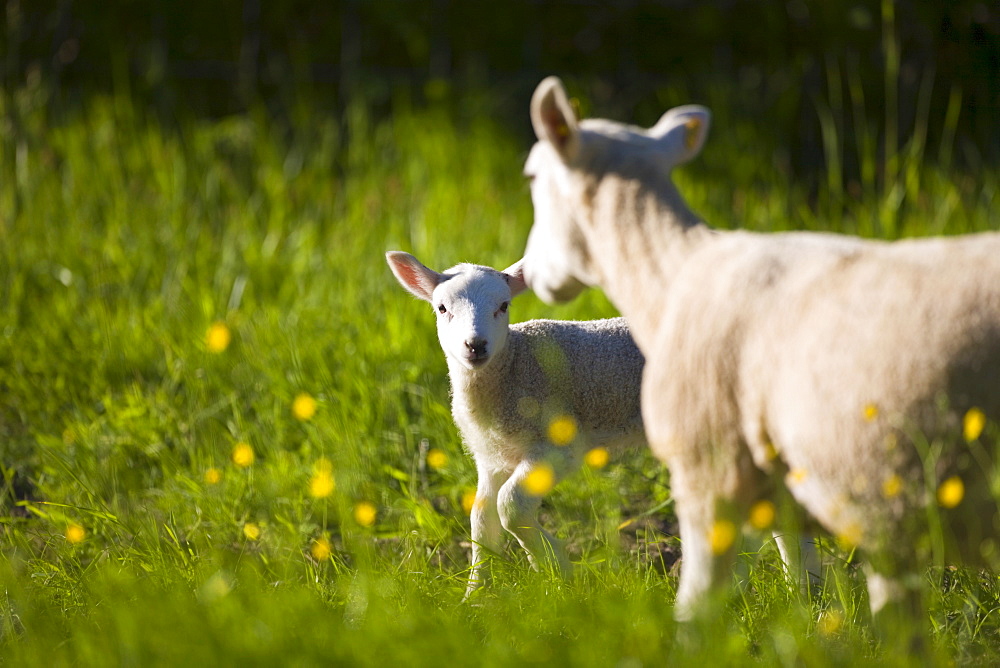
(518, 508)
(802, 563)
(486, 531)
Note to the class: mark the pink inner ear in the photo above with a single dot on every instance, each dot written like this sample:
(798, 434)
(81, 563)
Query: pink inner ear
(514, 276)
(415, 279)
(554, 119)
(409, 276)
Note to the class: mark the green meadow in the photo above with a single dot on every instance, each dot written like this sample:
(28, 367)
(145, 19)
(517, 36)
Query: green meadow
(225, 432)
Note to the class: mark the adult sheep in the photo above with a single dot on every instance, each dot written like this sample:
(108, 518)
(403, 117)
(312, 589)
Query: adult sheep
(839, 367)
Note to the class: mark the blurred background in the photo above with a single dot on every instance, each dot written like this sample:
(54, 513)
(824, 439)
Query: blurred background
(803, 73)
(195, 202)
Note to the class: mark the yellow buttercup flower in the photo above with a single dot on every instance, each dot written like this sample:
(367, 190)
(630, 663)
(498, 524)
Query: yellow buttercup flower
(829, 622)
(243, 455)
(892, 486)
(722, 536)
(303, 407)
(870, 412)
(797, 476)
(951, 492)
(597, 458)
(218, 337)
(562, 430)
(762, 514)
(539, 481)
(469, 501)
(973, 424)
(321, 549)
(251, 531)
(321, 485)
(365, 513)
(436, 459)
(75, 533)
(213, 476)
(850, 537)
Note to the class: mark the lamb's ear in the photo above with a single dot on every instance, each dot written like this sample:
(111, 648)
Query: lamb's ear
(515, 278)
(553, 118)
(412, 275)
(682, 131)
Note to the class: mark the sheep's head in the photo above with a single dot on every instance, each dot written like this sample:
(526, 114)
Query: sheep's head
(471, 303)
(568, 162)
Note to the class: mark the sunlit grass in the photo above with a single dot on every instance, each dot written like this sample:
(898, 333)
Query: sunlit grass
(226, 435)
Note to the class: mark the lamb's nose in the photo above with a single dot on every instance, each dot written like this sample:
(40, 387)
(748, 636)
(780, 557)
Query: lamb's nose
(476, 346)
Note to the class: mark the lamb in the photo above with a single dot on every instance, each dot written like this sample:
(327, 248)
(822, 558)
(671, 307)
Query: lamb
(840, 370)
(530, 399)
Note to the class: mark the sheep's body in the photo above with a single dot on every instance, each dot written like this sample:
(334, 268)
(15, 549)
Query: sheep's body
(840, 367)
(503, 412)
(512, 384)
(836, 357)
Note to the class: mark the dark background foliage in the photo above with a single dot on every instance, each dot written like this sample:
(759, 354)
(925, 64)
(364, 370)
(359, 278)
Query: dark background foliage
(769, 63)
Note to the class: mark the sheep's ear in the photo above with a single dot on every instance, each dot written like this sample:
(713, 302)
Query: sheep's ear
(682, 131)
(553, 118)
(412, 275)
(515, 278)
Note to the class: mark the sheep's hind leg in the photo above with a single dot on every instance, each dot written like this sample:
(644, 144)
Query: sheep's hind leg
(708, 543)
(898, 610)
(518, 503)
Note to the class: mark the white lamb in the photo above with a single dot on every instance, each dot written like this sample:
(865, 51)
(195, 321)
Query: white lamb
(840, 367)
(530, 399)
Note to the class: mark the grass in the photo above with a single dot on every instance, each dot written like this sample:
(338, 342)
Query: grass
(161, 501)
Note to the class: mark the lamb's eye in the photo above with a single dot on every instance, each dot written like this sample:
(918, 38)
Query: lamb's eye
(503, 307)
(442, 309)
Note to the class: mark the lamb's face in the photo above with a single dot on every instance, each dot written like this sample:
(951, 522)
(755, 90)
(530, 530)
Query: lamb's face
(472, 318)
